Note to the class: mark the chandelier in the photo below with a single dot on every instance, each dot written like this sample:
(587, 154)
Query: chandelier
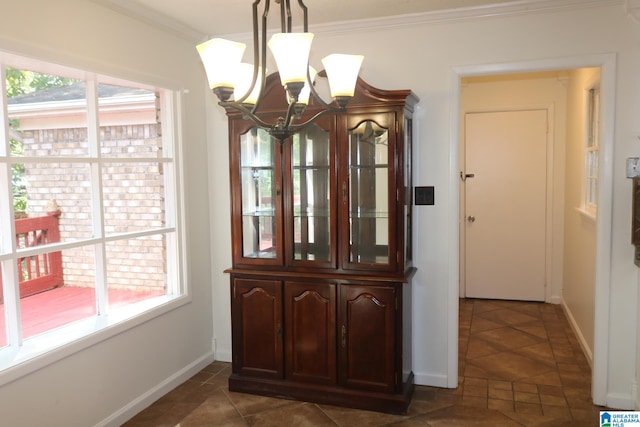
(239, 85)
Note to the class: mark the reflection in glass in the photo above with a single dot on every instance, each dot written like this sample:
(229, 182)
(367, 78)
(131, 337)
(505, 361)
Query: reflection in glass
(311, 180)
(257, 162)
(369, 194)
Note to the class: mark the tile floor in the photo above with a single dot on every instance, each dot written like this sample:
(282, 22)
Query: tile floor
(520, 365)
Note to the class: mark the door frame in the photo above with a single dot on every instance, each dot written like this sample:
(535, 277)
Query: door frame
(607, 64)
(549, 185)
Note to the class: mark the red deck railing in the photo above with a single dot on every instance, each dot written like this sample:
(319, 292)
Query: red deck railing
(38, 273)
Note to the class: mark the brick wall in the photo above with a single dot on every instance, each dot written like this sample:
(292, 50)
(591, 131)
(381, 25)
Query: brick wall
(133, 197)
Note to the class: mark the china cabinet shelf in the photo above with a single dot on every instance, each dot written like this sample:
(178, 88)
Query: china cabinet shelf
(260, 212)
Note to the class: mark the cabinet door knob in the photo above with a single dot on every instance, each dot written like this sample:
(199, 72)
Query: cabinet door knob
(344, 336)
(344, 192)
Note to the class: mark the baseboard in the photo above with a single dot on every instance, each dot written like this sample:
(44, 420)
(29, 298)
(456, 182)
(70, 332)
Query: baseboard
(223, 356)
(588, 353)
(555, 300)
(143, 401)
(432, 380)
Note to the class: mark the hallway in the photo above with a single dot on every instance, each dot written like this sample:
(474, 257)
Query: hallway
(520, 365)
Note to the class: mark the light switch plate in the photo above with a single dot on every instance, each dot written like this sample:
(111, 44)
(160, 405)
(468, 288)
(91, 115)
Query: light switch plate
(424, 196)
(633, 167)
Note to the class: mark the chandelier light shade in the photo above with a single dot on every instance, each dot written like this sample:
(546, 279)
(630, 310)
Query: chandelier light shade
(305, 93)
(342, 72)
(239, 85)
(243, 84)
(221, 59)
(291, 52)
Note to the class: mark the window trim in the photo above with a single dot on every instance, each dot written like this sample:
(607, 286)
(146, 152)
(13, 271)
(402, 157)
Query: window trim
(54, 345)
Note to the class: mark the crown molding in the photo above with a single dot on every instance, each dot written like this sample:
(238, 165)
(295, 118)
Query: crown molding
(153, 18)
(519, 7)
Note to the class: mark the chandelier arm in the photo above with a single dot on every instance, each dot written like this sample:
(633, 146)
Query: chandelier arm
(260, 53)
(246, 112)
(300, 126)
(290, 114)
(285, 16)
(255, 49)
(315, 93)
(304, 16)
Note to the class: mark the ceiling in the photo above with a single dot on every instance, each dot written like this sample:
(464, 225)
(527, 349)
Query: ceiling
(199, 18)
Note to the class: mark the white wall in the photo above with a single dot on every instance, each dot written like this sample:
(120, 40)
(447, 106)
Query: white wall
(580, 228)
(93, 384)
(424, 57)
(103, 383)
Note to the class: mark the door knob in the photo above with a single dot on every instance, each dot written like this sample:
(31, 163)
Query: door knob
(471, 218)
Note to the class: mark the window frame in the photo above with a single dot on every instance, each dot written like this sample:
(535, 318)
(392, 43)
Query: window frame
(591, 146)
(23, 356)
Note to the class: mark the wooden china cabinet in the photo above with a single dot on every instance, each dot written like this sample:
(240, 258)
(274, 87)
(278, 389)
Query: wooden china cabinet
(321, 232)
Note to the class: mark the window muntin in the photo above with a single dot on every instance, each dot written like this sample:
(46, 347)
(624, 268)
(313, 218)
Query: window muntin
(59, 143)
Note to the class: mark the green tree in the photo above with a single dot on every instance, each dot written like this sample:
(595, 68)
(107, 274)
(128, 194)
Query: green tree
(21, 82)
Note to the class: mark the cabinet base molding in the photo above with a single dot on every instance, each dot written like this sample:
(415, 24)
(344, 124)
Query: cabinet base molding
(392, 403)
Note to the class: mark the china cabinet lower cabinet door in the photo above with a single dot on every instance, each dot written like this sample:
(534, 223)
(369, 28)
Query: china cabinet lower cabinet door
(310, 343)
(367, 337)
(256, 311)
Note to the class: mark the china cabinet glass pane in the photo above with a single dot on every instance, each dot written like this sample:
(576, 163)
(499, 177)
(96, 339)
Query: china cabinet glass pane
(258, 194)
(369, 194)
(311, 180)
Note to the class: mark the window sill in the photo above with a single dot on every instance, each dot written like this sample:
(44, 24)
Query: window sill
(587, 214)
(47, 348)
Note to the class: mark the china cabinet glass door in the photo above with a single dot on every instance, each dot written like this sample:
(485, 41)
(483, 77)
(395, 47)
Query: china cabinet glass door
(311, 204)
(370, 157)
(259, 187)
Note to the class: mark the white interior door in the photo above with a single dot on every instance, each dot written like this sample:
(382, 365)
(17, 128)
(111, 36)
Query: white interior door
(505, 204)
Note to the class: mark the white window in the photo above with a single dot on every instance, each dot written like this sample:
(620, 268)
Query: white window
(89, 212)
(592, 149)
